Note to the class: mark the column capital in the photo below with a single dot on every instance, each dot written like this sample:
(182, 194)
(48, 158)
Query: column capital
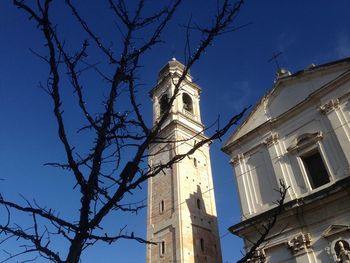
(329, 106)
(237, 159)
(272, 139)
(300, 243)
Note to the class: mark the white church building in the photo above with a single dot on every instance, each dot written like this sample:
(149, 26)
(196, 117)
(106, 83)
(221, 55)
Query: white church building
(299, 132)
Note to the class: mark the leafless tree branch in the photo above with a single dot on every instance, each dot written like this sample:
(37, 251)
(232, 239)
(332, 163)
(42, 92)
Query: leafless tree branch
(103, 175)
(268, 225)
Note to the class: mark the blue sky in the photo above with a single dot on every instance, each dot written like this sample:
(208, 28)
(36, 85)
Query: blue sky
(233, 73)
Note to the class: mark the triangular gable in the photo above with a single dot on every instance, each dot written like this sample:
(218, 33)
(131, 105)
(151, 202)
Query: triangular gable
(334, 229)
(292, 91)
(256, 117)
(287, 92)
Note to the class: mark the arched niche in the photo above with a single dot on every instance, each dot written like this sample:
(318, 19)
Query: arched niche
(338, 236)
(342, 250)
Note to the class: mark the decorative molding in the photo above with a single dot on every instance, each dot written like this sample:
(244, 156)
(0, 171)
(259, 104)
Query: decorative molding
(188, 113)
(300, 243)
(305, 140)
(237, 159)
(347, 170)
(253, 150)
(329, 106)
(286, 116)
(335, 229)
(273, 139)
(259, 257)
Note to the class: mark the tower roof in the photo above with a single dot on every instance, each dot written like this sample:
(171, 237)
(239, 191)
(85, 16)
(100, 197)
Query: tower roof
(171, 66)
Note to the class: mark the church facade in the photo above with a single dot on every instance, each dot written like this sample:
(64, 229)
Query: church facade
(181, 216)
(298, 133)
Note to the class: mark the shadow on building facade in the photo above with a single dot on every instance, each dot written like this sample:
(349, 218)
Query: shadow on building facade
(206, 245)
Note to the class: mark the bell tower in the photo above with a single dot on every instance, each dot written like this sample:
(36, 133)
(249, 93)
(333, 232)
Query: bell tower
(181, 205)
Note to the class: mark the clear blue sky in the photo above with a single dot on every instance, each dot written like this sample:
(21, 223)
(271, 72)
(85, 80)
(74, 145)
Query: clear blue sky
(233, 73)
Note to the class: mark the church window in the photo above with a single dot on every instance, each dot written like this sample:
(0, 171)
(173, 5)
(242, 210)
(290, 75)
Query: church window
(161, 207)
(162, 248)
(198, 203)
(187, 103)
(164, 103)
(195, 162)
(315, 169)
(202, 244)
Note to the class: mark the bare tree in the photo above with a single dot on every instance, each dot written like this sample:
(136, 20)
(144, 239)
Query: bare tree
(103, 174)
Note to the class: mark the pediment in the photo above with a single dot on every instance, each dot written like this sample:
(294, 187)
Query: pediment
(255, 118)
(304, 141)
(288, 93)
(335, 229)
(293, 90)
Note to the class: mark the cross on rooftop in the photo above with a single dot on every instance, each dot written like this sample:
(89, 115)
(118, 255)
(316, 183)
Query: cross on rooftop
(274, 58)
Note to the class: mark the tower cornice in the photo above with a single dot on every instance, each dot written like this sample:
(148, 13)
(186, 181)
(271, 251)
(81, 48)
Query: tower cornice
(174, 125)
(170, 76)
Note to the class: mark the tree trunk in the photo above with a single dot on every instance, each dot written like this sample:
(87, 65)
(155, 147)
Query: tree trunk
(75, 249)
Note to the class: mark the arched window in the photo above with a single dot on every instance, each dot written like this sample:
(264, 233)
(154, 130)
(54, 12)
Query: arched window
(162, 249)
(164, 103)
(202, 244)
(161, 206)
(198, 203)
(187, 103)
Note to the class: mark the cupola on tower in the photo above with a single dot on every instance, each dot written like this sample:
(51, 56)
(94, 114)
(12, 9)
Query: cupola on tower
(181, 205)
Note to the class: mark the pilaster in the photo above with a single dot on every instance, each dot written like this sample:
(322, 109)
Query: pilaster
(338, 120)
(279, 162)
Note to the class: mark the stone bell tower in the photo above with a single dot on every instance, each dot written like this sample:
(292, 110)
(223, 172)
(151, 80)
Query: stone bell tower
(181, 206)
